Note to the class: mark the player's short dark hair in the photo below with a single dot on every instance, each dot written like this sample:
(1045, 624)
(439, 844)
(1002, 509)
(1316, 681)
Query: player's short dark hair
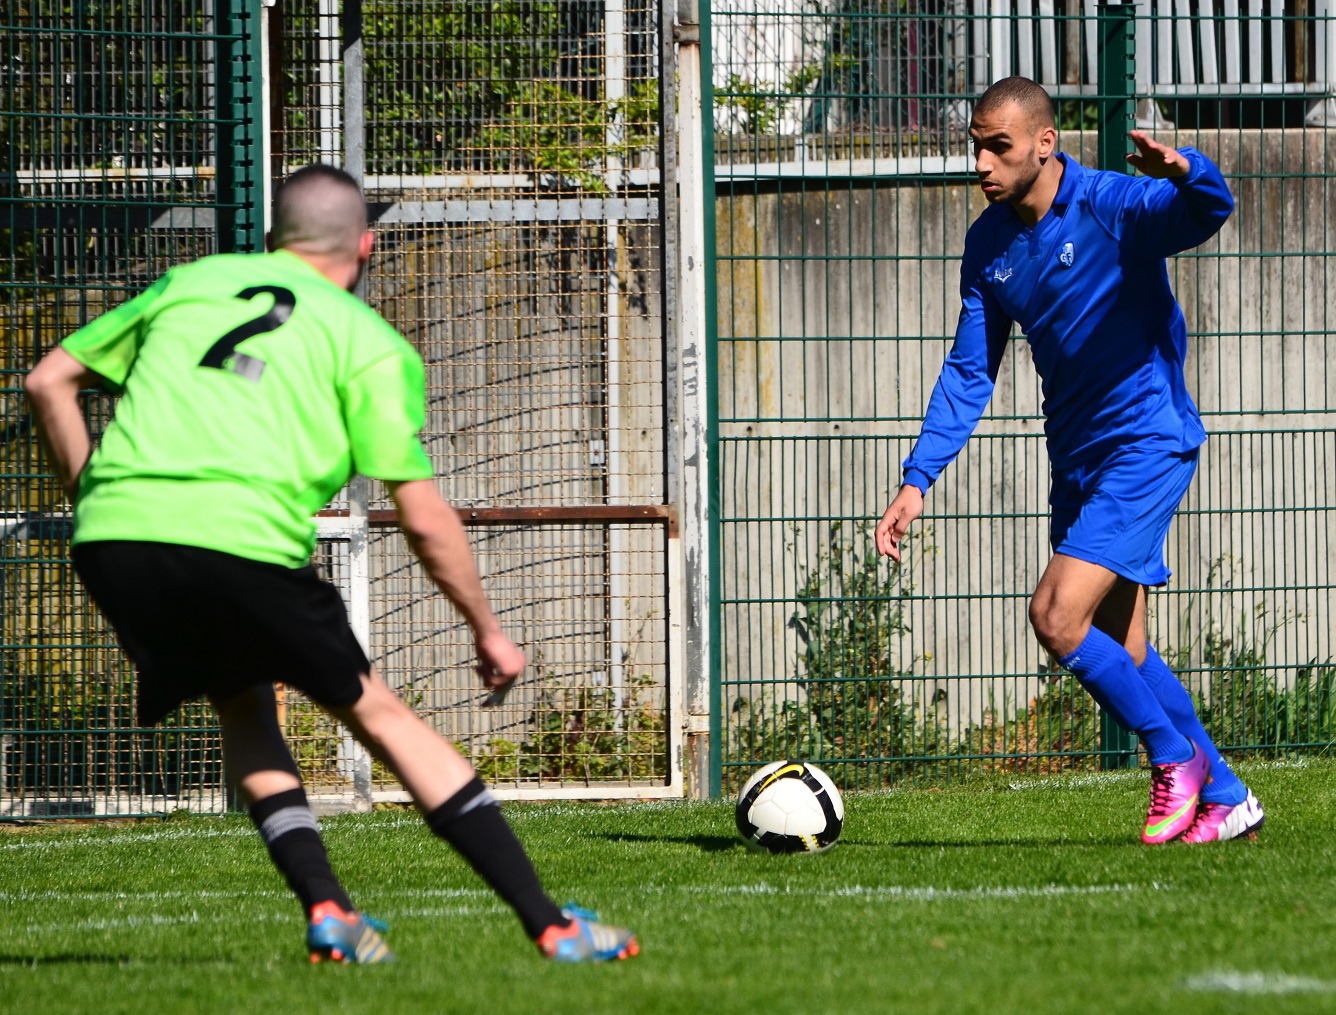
(319, 209)
(1029, 95)
(320, 171)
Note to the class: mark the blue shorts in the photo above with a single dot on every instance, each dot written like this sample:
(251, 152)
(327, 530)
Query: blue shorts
(1116, 513)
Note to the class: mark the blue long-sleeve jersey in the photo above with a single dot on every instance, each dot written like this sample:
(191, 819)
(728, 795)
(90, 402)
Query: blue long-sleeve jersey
(1089, 287)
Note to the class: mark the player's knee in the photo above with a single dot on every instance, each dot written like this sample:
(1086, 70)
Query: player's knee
(1053, 626)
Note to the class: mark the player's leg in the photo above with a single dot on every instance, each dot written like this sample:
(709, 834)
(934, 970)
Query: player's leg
(1124, 617)
(1226, 809)
(1062, 613)
(1063, 610)
(261, 766)
(459, 808)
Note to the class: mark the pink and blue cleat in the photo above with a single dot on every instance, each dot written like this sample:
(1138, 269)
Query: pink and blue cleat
(1174, 791)
(347, 937)
(1220, 822)
(587, 940)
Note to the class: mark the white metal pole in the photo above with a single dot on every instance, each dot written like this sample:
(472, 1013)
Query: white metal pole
(619, 559)
(695, 521)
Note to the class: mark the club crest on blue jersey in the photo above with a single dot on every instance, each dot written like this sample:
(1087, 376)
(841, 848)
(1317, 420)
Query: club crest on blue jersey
(1001, 274)
(1067, 255)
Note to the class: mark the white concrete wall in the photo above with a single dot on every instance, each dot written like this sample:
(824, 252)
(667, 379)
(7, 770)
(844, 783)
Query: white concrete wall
(836, 305)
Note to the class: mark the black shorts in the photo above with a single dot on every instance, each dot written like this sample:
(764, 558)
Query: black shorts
(199, 623)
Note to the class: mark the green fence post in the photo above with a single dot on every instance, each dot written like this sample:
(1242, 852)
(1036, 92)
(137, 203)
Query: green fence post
(1117, 116)
(238, 148)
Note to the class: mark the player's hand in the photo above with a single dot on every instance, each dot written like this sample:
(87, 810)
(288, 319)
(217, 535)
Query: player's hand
(1155, 159)
(906, 507)
(500, 660)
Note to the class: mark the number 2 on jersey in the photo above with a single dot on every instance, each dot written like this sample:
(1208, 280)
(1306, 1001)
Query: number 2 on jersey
(275, 317)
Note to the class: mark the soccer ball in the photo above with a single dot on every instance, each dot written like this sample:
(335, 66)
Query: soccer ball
(790, 807)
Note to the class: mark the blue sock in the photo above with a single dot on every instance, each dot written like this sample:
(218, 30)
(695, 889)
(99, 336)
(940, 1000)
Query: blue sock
(1106, 670)
(1224, 787)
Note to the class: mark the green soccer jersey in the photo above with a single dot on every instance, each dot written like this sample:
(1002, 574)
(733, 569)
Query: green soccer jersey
(253, 389)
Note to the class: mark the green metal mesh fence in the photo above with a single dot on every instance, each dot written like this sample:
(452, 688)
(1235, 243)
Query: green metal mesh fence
(843, 195)
(110, 125)
(511, 159)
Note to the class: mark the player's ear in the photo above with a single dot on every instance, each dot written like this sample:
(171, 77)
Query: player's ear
(1048, 141)
(365, 245)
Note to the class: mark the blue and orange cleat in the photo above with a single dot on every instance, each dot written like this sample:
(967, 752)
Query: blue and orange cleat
(1174, 791)
(343, 936)
(587, 940)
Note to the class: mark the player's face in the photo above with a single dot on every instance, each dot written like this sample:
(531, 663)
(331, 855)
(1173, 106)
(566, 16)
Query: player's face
(1008, 152)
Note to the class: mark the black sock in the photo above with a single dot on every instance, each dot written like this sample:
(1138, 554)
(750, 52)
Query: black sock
(289, 830)
(471, 821)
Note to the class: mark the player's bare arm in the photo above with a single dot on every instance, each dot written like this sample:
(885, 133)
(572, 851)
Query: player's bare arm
(53, 391)
(903, 511)
(436, 535)
(1155, 159)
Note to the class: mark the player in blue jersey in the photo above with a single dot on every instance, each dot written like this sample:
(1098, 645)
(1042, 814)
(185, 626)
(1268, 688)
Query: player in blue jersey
(1077, 258)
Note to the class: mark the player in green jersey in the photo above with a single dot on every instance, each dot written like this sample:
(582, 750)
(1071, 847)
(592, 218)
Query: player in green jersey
(253, 387)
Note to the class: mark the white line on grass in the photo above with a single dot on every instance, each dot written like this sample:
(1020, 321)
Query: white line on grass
(467, 909)
(107, 896)
(132, 839)
(1079, 781)
(135, 838)
(193, 917)
(1259, 983)
(927, 893)
(121, 923)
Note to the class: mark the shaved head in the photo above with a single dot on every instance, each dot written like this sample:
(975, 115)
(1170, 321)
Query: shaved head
(319, 211)
(1029, 96)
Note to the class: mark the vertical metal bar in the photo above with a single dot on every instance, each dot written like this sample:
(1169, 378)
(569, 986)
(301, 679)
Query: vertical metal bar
(351, 752)
(696, 263)
(1164, 42)
(238, 153)
(328, 70)
(616, 468)
(669, 205)
(1048, 43)
(267, 89)
(1117, 116)
(980, 68)
(1025, 27)
(1143, 58)
(999, 39)
(1233, 42)
(1210, 70)
(709, 466)
(1187, 60)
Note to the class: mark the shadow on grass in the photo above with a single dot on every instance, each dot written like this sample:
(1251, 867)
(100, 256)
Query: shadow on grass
(705, 843)
(102, 959)
(1102, 840)
(66, 959)
(725, 843)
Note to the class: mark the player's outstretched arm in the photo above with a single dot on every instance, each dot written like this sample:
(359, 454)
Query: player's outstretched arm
(53, 391)
(436, 535)
(1155, 159)
(904, 510)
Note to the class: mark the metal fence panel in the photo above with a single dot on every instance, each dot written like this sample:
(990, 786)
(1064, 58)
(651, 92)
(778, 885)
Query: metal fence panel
(843, 196)
(112, 122)
(511, 158)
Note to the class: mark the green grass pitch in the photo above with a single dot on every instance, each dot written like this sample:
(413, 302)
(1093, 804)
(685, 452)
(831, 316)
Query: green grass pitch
(1026, 896)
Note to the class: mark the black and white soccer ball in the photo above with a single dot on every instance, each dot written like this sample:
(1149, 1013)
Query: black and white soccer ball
(790, 807)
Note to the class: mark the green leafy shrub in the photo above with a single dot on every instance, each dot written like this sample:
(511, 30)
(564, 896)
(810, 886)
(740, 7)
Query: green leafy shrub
(862, 712)
(1057, 731)
(585, 733)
